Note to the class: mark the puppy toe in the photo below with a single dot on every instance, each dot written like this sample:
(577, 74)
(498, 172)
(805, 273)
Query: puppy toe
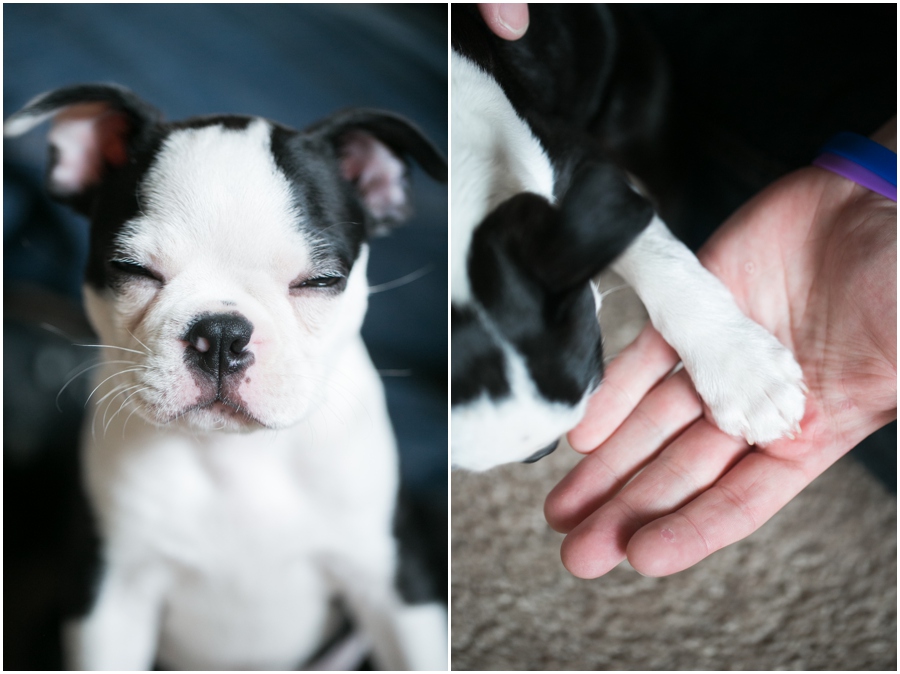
(762, 400)
(775, 401)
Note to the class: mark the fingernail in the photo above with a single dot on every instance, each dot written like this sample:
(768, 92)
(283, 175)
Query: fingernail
(514, 17)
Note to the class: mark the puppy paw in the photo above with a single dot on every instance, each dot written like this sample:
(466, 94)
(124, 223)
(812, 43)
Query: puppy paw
(752, 385)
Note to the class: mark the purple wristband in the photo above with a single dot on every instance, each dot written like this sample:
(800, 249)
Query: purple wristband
(861, 160)
(856, 173)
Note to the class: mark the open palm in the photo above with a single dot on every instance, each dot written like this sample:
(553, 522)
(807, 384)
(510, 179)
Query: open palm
(813, 259)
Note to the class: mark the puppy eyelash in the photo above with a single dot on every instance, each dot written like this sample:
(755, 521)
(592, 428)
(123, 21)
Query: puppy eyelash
(320, 282)
(131, 267)
(327, 281)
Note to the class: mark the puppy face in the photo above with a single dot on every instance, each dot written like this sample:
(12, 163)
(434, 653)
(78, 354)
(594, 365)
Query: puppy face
(237, 293)
(227, 265)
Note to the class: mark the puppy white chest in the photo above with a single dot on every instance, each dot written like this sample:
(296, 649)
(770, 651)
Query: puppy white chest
(245, 588)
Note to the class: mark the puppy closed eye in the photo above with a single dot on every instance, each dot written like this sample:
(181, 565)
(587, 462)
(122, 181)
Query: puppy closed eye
(335, 283)
(132, 269)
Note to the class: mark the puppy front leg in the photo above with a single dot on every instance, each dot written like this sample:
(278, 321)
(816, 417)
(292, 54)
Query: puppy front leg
(121, 629)
(408, 637)
(750, 382)
(404, 637)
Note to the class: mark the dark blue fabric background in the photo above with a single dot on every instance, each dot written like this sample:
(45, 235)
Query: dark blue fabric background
(291, 63)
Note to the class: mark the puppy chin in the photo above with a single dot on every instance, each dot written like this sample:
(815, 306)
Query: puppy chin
(219, 416)
(215, 416)
(191, 408)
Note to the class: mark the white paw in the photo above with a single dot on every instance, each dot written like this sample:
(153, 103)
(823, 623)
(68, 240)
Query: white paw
(751, 384)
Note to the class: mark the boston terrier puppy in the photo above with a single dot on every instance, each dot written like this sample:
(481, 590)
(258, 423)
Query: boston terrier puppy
(555, 139)
(243, 474)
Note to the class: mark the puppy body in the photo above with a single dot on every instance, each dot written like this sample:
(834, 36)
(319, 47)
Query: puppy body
(240, 467)
(226, 550)
(542, 204)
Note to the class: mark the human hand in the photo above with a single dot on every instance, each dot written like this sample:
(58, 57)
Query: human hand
(813, 258)
(506, 20)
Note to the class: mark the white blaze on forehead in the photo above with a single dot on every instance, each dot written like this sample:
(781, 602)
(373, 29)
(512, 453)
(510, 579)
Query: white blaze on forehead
(493, 157)
(218, 194)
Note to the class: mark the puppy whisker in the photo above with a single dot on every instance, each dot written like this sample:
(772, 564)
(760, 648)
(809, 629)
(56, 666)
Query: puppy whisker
(128, 418)
(115, 374)
(149, 351)
(115, 391)
(56, 331)
(111, 346)
(106, 424)
(122, 407)
(610, 291)
(348, 391)
(82, 371)
(402, 281)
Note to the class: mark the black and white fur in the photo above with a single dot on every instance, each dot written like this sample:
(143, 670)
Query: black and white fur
(543, 132)
(241, 468)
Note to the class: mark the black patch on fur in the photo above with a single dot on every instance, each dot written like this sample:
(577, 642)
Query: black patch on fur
(421, 533)
(333, 217)
(478, 364)
(529, 265)
(590, 82)
(229, 122)
(113, 203)
(334, 213)
(598, 218)
(553, 327)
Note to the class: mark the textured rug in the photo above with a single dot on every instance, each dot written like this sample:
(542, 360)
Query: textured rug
(815, 588)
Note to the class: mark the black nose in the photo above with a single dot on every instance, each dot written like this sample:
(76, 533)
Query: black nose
(218, 344)
(541, 453)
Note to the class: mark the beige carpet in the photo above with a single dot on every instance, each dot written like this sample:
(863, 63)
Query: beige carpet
(815, 588)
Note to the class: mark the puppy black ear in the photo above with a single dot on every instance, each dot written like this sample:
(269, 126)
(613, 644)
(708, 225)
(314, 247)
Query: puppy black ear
(373, 148)
(93, 126)
(563, 245)
(600, 215)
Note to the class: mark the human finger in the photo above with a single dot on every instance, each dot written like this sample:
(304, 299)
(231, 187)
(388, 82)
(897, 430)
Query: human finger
(687, 467)
(506, 20)
(661, 416)
(736, 506)
(637, 369)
